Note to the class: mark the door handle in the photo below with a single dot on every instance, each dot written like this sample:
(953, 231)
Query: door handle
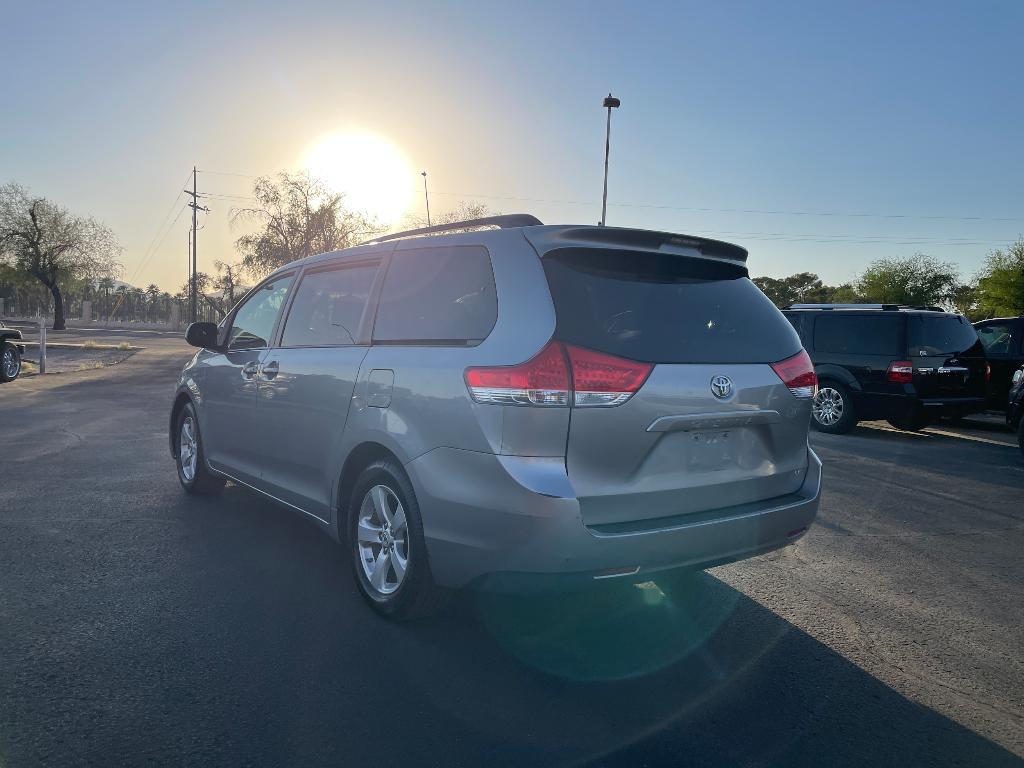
(249, 370)
(270, 370)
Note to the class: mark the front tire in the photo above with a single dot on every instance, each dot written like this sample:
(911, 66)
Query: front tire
(10, 362)
(832, 410)
(385, 536)
(193, 474)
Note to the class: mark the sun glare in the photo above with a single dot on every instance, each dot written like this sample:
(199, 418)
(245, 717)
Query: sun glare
(371, 172)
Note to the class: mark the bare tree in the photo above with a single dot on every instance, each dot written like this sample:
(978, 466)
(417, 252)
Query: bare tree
(297, 216)
(228, 281)
(53, 245)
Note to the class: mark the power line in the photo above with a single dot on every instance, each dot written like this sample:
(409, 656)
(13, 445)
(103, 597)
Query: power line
(231, 173)
(150, 250)
(733, 210)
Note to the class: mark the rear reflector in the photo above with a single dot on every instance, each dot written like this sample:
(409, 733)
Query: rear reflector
(558, 374)
(797, 373)
(900, 372)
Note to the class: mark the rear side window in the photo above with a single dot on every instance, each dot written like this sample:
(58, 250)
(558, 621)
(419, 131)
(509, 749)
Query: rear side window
(942, 335)
(328, 307)
(997, 338)
(660, 308)
(857, 335)
(437, 296)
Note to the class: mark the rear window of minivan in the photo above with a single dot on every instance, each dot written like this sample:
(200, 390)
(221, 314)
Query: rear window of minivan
(660, 308)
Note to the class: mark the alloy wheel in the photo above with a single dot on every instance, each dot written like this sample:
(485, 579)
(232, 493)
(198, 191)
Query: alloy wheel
(827, 407)
(10, 364)
(382, 540)
(187, 448)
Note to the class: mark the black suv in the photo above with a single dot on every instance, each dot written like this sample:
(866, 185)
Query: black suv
(908, 365)
(1001, 338)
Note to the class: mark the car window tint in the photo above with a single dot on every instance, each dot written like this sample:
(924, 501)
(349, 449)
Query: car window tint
(941, 334)
(660, 308)
(857, 334)
(254, 321)
(437, 295)
(997, 339)
(328, 306)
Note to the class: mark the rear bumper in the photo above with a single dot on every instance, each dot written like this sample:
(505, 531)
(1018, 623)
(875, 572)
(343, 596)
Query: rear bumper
(509, 522)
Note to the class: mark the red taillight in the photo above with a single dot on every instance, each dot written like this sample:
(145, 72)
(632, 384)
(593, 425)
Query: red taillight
(541, 380)
(600, 379)
(900, 372)
(797, 373)
(557, 372)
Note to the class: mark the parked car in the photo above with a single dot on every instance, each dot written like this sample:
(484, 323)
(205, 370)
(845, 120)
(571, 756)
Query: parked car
(1015, 406)
(907, 365)
(483, 407)
(10, 353)
(1001, 338)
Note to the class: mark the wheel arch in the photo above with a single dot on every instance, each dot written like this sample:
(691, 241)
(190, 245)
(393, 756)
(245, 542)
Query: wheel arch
(838, 373)
(176, 409)
(358, 459)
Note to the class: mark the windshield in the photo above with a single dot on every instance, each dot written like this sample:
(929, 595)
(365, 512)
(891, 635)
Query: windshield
(942, 335)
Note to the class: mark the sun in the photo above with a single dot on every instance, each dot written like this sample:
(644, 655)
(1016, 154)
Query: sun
(371, 172)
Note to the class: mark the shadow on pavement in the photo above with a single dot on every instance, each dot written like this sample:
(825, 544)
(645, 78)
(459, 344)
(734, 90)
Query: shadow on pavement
(246, 643)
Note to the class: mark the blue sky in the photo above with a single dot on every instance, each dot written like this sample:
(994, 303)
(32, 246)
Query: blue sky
(743, 121)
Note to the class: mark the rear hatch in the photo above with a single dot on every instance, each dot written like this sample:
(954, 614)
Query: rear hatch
(947, 356)
(713, 426)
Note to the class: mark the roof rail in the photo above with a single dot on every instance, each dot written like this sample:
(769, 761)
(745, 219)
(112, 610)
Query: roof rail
(506, 221)
(881, 307)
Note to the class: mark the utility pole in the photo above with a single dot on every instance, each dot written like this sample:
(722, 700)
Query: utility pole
(610, 103)
(194, 205)
(426, 197)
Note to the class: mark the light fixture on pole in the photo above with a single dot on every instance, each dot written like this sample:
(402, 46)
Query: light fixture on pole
(426, 196)
(610, 103)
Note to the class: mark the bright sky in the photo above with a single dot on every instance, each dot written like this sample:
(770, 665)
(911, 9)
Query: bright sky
(910, 113)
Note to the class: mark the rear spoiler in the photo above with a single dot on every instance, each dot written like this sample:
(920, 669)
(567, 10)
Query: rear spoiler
(550, 238)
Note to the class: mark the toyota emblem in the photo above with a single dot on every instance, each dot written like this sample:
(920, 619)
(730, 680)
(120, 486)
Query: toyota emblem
(721, 387)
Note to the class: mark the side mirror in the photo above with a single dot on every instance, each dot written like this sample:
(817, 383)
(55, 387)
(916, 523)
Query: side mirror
(202, 335)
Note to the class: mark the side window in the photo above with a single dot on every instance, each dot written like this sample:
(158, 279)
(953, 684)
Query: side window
(997, 339)
(254, 321)
(328, 307)
(437, 295)
(857, 335)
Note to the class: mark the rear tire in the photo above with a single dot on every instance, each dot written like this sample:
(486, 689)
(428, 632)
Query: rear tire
(832, 411)
(190, 458)
(10, 362)
(385, 537)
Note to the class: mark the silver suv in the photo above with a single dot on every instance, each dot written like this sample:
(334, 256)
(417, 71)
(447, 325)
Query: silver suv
(496, 405)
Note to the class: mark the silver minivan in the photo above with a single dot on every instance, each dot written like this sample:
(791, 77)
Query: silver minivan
(502, 405)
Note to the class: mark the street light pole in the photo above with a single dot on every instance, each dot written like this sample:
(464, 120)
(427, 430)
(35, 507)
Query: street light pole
(426, 196)
(610, 102)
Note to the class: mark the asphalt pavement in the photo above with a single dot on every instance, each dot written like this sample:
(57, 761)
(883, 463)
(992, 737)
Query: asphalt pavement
(142, 626)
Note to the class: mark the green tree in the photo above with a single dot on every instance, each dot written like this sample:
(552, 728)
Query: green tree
(917, 280)
(53, 245)
(1001, 282)
(804, 288)
(297, 216)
